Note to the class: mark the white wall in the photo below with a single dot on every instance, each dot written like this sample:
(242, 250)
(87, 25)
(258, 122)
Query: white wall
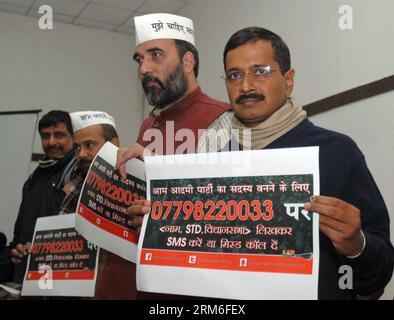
(14, 168)
(327, 60)
(71, 68)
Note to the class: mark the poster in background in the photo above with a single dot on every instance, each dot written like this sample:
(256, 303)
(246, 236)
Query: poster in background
(61, 262)
(101, 211)
(234, 228)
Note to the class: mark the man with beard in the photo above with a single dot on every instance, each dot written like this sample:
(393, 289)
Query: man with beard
(168, 68)
(92, 129)
(42, 193)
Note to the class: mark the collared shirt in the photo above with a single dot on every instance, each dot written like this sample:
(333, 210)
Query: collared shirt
(195, 111)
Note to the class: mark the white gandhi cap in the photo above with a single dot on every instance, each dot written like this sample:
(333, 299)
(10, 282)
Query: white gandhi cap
(163, 26)
(84, 119)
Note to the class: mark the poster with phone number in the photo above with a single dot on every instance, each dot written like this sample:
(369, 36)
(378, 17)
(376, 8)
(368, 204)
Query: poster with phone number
(102, 206)
(232, 229)
(61, 261)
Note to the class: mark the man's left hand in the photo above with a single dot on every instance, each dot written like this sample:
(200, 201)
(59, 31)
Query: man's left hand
(339, 221)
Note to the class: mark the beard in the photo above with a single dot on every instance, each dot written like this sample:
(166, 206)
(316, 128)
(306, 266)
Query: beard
(83, 167)
(174, 88)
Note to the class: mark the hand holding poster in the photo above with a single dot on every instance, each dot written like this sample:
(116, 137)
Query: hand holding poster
(240, 235)
(61, 262)
(101, 211)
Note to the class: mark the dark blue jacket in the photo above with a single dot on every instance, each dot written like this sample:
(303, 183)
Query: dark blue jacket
(344, 174)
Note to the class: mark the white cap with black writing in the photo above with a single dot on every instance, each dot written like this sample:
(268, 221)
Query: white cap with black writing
(83, 119)
(163, 26)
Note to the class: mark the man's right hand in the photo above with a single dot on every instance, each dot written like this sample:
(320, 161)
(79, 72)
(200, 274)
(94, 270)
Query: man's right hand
(125, 154)
(137, 210)
(19, 252)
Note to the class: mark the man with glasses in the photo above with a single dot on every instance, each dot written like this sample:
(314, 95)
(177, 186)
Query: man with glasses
(354, 222)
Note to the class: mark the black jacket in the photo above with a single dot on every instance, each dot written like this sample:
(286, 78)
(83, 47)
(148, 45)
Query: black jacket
(344, 174)
(42, 196)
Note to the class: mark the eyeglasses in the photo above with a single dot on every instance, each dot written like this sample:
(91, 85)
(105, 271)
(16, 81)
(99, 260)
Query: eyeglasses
(259, 73)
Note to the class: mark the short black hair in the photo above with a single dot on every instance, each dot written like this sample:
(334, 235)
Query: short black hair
(252, 34)
(53, 118)
(109, 132)
(183, 47)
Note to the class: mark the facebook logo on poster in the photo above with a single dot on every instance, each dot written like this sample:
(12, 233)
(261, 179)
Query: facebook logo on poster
(243, 262)
(192, 259)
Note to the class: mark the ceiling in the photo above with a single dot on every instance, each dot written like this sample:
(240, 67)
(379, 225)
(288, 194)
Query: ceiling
(112, 15)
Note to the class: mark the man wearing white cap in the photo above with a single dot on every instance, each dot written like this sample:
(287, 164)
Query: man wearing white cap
(92, 129)
(168, 68)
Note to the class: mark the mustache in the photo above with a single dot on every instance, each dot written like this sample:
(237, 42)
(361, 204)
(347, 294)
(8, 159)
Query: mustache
(255, 96)
(149, 78)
